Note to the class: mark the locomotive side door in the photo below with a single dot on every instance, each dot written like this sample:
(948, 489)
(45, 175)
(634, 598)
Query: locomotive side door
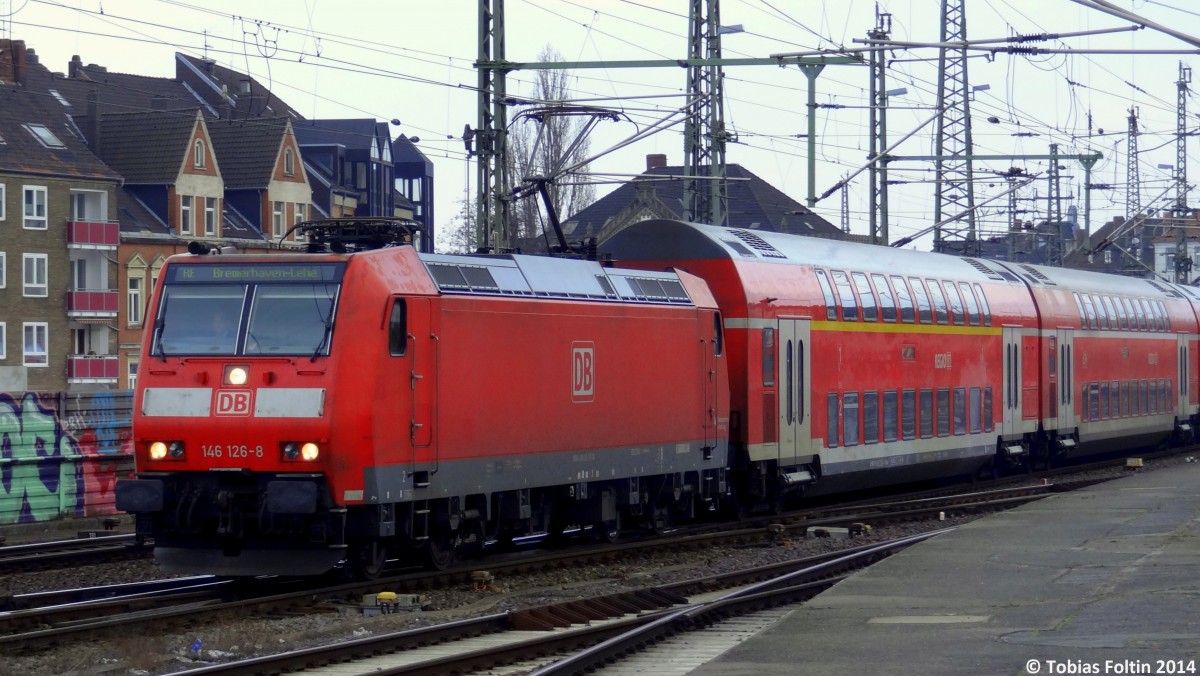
(422, 374)
(795, 438)
(1012, 382)
(1066, 380)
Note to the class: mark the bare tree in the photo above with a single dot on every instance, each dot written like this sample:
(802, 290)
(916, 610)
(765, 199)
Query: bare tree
(558, 147)
(458, 236)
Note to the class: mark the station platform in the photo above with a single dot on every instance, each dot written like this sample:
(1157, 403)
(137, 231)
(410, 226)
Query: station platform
(1104, 580)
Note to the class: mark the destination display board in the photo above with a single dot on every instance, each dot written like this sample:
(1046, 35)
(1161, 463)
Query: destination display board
(252, 273)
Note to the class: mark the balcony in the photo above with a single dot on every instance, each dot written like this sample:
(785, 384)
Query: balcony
(93, 235)
(92, 368)
(93, 304)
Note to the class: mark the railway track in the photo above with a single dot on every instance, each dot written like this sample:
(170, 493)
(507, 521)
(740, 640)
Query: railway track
(64, 553)
(591, 632)
(37, 621)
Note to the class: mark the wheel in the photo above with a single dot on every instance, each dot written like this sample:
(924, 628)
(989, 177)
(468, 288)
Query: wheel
(610, 531)
(440, 553)
(367, 560)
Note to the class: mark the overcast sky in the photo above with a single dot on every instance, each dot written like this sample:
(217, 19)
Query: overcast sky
(411, 60)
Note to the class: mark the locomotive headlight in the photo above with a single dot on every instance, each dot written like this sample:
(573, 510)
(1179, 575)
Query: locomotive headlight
(310, 451)
(175, 448)
(291, 450)
(158, 450)
(237, 375)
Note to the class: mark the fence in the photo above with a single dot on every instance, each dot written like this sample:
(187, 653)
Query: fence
(61, 453)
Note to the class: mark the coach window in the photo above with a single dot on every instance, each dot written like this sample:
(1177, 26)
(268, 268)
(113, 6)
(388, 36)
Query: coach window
(831, 421)
(983, 305)
(870, 309)
(887, 304)
(1153, 397)
(1125, 399)
(889, 415)
(1115, 390)
(1104, 415)
(1090, 310)
(1093, 399)
(1145, 398)
(904, 298)
(973, 317)
(975, 412)
(1121, 316)
(1079, 305)
(870, 417)
(1164, 395)
(768, 357)
(908, 414)
(939, 303)
(956, 304)
(850, 419)
(987, 409)
(846, 294)
(1101, 315)
(1166, 317)
(827, 292)
(1146, 314)
(923, 309)
(1139, 313)
(398, 328)
(1086, 416)
(1129, 313)
(960, 410)
(943, 412)
(1114, 320)
(926, 414)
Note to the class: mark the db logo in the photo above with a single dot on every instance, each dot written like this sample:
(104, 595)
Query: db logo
(234, 402)
(583, 372)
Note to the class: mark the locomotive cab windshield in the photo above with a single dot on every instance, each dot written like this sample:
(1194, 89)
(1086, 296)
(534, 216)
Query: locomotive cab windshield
(269, 309)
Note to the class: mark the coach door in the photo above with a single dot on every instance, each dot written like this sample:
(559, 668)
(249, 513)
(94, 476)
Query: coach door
(795, 408)
(1181, 387)
(1012, 382)
(1065, 371)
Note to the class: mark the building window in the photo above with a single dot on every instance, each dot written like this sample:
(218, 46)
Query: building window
(135, 297)
(277, 220)
(185, 214)
(44, 136)
(3, 340)
(3, 270)
(132, 374)
(198, 154)
(300, 216)
(289, 162)
(35, 207)
(36, 339)
(1107, 256)
(34, 275)
(3, 200)
(210, 216)
(79, 275)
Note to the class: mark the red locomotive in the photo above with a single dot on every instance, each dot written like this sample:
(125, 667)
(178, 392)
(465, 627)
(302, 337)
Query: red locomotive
(380, 402)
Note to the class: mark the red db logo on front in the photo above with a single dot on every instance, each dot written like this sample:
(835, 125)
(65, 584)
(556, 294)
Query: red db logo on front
(583, 371)
(233, 402)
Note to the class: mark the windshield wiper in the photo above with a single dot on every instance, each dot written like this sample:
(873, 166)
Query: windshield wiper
(328, 322)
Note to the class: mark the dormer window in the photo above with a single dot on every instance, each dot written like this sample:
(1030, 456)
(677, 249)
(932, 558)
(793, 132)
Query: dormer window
(289, 162)
(198, 155)
(44, 136)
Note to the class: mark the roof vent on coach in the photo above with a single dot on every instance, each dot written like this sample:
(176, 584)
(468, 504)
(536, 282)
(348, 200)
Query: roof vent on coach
(757, 243)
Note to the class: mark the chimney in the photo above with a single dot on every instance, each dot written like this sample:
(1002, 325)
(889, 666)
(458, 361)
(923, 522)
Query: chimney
(656, 161)
(93, 121)
(75, 68)
(225, 112)
(210, 66)
(13, 60)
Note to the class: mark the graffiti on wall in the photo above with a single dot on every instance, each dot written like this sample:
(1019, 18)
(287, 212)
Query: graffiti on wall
(61, 454)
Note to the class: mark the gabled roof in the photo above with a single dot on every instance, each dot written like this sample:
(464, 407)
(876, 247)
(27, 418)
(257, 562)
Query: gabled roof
(208, 79)
(115, 92)
(753, 203)
(22, 152)
(404, 152)
(357, 134)
(146, 148)
(138, 220)
(247, 150)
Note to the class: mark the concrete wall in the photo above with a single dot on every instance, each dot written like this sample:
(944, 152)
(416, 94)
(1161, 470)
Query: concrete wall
(61, 453)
